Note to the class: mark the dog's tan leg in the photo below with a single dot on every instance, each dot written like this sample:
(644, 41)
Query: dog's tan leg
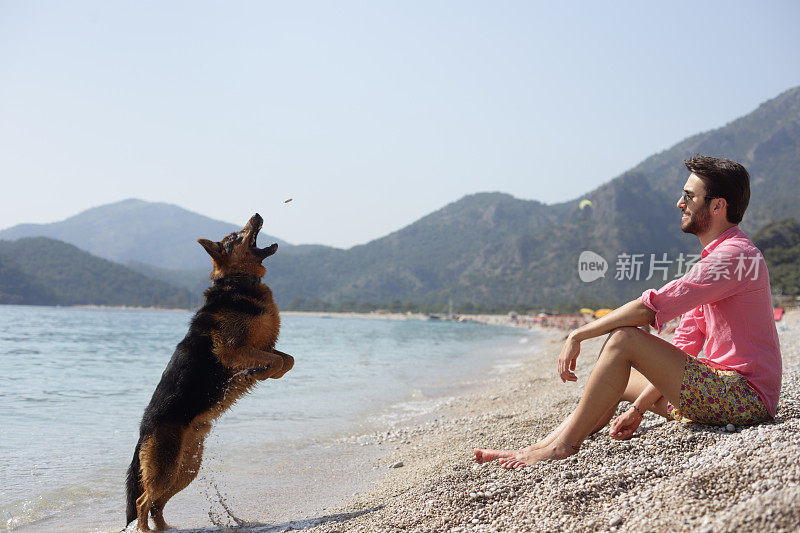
(264, 364)
(157, 511)
(188, 465)
(158, 457)
(142, 509)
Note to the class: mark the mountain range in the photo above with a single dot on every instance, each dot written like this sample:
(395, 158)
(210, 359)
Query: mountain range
(485, 250)
(152, 233)
(43, 271)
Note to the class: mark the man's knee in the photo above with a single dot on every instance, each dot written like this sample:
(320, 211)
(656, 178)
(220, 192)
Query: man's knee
(624, 335)
(619, 340)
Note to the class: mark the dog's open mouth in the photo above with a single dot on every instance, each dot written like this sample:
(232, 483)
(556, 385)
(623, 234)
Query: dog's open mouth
(254, 226)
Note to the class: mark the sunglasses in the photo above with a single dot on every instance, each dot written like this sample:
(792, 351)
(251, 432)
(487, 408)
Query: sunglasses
(685, 197)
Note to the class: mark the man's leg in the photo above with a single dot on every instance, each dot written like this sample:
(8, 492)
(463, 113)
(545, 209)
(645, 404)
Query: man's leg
(636, 385)
(655, 359)
(484, 455)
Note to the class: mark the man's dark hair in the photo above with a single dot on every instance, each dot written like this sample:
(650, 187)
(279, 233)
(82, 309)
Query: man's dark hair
(723, 178)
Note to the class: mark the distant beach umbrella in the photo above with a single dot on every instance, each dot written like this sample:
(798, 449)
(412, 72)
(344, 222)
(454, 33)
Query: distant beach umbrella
(585, 203)
(586, 311)
(600, 313)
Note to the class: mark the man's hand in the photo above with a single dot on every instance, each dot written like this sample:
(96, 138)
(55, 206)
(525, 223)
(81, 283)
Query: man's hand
(633, 313)
(623, 427)
(566, 360)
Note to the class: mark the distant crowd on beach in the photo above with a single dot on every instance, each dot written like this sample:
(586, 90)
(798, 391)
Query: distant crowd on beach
(550, 321)
(565, 322)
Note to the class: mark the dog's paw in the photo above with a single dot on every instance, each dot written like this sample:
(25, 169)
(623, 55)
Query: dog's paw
(288, 363)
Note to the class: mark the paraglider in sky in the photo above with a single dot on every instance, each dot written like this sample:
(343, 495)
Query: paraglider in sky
(585, 203)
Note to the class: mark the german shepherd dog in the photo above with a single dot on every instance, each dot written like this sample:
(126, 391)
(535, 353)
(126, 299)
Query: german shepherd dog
(229, 347)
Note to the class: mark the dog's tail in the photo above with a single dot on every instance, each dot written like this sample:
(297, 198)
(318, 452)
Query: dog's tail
(133, 485)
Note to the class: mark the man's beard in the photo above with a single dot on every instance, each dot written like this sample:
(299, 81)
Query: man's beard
(698, 222)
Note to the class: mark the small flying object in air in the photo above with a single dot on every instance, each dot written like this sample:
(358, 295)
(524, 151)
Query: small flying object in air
(585, 203)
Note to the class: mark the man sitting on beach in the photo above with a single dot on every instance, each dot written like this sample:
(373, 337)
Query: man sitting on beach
(726, 305)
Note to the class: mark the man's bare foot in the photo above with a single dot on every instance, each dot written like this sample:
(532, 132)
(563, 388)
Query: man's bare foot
(554, 451)
(484, 455)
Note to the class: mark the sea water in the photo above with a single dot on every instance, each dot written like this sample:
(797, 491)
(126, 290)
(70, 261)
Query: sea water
(75, 381)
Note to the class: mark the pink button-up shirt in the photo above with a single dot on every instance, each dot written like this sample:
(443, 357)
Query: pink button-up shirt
(726, 303)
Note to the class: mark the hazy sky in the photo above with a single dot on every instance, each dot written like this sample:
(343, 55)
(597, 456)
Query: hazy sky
(368, 114)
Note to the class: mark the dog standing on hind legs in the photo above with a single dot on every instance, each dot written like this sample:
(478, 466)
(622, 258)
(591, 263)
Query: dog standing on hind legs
(230, 346)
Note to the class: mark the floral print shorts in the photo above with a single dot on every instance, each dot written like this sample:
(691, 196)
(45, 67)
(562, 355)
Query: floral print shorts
(716, 397)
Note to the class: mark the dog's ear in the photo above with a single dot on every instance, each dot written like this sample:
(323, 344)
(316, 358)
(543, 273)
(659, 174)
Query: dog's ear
(263, 253)
(214, 249)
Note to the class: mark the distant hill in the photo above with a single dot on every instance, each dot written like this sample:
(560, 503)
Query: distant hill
(492, 249)
(158, 234)
(194, 280)
(780, 244)
(766, 141)
(415, 261)
(487, 250)
(42, 271)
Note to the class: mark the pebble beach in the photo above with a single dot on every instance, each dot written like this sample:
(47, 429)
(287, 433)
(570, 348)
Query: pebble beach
(669, 477)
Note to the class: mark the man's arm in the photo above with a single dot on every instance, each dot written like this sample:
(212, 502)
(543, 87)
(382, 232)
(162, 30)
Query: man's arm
(633, 313)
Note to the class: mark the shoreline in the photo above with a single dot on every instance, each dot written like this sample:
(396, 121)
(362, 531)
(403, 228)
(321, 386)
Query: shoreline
(507, 320)
(368, 316)
(362, 455)
(671, 477)
(292, 482)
